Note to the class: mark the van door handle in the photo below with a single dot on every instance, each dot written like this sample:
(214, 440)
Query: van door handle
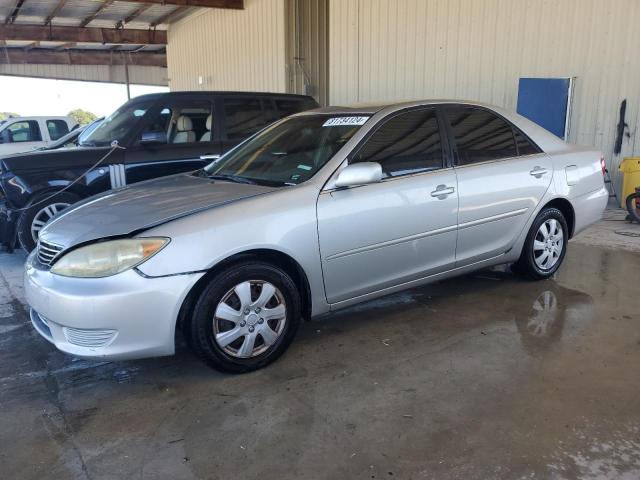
(442, 191)
(538, 172)
(209, 157)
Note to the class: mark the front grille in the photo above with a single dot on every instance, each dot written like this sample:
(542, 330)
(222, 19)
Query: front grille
(83, 337)
(48, 252)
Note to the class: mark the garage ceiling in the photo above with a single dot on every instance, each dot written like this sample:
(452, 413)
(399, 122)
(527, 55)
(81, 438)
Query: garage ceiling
(92, 32)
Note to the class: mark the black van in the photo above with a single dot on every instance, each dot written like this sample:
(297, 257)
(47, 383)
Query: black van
(160, 134)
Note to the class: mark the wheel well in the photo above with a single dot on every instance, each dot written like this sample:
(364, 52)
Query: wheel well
(566, 208)
(273, 257)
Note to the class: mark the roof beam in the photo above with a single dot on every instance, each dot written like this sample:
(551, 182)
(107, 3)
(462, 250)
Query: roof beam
(103, 6)
(40, 56)
(82, 34)
(165, 18)
(54, 13)
(137, 12)
(14, 14)
(233, 4)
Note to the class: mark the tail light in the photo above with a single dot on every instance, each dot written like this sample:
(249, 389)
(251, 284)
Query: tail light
(603, 165)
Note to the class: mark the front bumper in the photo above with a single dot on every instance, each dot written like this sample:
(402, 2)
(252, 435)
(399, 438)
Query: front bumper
(121, 317)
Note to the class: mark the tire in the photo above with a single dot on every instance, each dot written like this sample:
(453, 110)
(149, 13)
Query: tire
(40, 213)
(633, 206)
(234, 352)
(538, 263)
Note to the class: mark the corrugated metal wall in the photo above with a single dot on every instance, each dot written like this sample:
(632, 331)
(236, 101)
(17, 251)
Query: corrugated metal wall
(217, 49)
(93, 73)
(307, 29)
(478, 49)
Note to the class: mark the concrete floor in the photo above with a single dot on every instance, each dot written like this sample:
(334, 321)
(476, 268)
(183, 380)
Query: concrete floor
(486, 376)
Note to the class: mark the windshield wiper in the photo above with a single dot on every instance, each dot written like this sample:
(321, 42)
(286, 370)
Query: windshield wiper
(233, 178)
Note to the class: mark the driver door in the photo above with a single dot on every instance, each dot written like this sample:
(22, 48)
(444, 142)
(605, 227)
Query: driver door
(404, 228)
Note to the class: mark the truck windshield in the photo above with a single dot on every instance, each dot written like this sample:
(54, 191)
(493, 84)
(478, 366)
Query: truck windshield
(289, 152)
(117, 125)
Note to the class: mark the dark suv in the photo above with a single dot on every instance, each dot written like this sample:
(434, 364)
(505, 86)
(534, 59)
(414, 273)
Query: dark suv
(162, 134)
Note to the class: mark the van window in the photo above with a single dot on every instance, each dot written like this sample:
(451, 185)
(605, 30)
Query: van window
(24, 131)
(57, 129)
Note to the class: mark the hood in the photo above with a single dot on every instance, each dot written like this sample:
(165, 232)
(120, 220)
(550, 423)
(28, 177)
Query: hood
(142, 206)
(57, 159)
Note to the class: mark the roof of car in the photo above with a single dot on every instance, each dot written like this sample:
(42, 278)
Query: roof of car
(375, 107)
(151, 96)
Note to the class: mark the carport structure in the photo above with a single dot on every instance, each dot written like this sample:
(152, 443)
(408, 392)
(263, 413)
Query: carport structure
(96, 40)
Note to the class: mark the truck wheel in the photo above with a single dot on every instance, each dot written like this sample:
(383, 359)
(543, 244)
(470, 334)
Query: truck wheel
(33, 219)
(545, 246)
(246, 317)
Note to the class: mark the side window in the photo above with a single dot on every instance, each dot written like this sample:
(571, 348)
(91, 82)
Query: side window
(269, 109)
(57, 129)
(244, 117)
(287, 106)
(480, 135)
(26, 131)
(407, 143)
(525, 147)
(181, 122)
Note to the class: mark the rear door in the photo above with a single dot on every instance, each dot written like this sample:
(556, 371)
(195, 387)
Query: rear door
(188, 125)
(502, 177)
(401, 229)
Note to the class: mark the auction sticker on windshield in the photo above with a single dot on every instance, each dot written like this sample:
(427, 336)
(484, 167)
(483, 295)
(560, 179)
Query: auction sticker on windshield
(340, 121)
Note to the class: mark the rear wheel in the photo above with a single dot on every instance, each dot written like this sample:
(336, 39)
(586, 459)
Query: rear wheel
(545, 246)
(33, 219)
(246, 317)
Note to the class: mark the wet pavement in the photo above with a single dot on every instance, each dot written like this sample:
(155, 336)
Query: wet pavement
(485, 376)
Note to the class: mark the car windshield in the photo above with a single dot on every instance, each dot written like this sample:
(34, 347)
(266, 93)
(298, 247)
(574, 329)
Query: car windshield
(117, 125)
(288, 153)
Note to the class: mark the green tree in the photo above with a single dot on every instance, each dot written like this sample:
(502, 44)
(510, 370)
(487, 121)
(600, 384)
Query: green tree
(82, 116)
(5, 115)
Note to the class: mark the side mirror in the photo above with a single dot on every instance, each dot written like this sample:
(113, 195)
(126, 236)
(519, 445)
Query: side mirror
(359, 174)
(153, 138)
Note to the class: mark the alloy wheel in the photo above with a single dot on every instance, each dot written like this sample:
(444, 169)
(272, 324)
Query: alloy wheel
(44, 215)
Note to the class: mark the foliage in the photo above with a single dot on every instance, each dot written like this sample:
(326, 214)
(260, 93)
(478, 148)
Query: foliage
(82, 116)
(5, 115)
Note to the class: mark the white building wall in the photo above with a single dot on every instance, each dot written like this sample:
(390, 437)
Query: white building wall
(478, 49)
(218, 49)
(139, 75)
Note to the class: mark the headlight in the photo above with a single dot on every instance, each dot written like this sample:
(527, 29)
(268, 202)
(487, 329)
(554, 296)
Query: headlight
(107, 258)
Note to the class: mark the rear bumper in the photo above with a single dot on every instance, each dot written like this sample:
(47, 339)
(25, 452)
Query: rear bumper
(589, 208)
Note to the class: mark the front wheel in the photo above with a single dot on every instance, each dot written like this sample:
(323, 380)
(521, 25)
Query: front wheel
(246, 317)
(545, 245)
(33, 219)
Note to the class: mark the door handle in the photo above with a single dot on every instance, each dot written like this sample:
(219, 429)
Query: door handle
(209, 157)
(538, 172)
(442, 191)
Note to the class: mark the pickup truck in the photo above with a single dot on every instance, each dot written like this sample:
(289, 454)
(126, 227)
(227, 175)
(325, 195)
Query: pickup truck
(22, 134)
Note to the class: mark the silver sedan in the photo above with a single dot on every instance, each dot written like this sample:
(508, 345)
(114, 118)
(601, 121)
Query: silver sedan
(317, 212)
